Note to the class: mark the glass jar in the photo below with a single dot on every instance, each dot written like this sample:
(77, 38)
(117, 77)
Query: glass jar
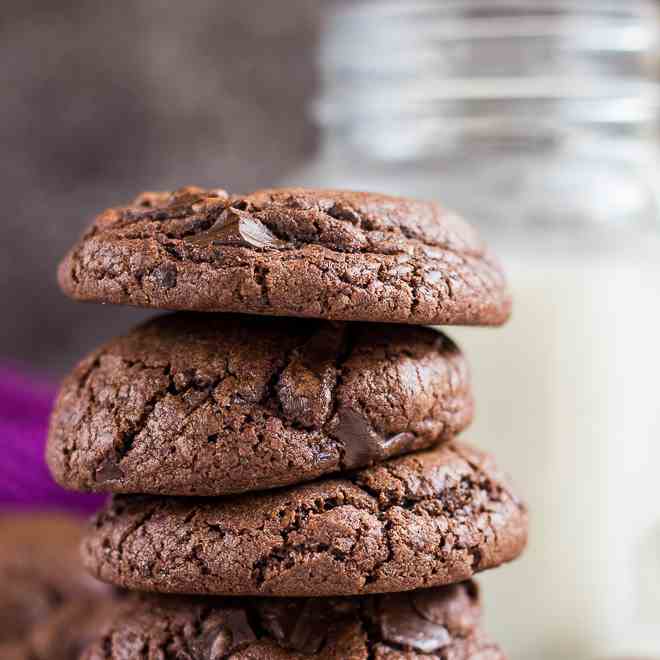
(538, 121)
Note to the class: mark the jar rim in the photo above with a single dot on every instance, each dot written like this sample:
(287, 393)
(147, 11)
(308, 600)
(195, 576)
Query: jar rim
(394, 60)
(371, 9)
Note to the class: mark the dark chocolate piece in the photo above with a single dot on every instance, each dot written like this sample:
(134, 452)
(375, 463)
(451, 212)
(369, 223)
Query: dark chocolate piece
(239, 228)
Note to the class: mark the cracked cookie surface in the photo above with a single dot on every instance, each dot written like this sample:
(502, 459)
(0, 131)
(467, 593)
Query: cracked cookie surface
(206, 404)
(436, 624)
(426, 519)
(329, 254)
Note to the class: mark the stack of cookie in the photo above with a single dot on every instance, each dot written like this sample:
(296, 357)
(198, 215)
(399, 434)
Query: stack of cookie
(295, 480)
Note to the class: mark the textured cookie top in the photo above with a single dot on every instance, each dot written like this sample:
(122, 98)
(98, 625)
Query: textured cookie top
(438, 623)
(291, 252)
(426, 519)
(205, 404)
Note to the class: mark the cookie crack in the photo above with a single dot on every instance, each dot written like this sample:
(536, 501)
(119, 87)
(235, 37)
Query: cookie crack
(460, 499)
(134, 528)
(283, 552)
(128, 438)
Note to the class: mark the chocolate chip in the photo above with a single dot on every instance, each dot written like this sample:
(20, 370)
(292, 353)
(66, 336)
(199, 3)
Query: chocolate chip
(108, 470)
(225, 632)
(399, 443)
(362, 445)
(305, 387)
(219, 646)
(240, 628)
(238, 228)
(299, 625)
(401, 624)
(341, 211)
(456, 607)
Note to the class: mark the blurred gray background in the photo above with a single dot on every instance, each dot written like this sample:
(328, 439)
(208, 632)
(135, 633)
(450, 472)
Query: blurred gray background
(101, 100)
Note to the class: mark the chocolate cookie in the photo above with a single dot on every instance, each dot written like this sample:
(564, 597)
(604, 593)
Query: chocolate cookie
(193, 404)
(318, 253)
(423, 520)
(40, 571)
(439, 624)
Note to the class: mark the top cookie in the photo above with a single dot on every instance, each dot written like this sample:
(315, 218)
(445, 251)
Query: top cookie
(329, 254)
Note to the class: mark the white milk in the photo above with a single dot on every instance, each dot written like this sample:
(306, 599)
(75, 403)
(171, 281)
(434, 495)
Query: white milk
(568, 399)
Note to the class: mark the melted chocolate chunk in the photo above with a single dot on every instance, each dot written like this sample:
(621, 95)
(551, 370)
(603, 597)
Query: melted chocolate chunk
(456, 607)
(238, 228)
(399, 443)
(362, 445)
(342, 211)
(219, 645)
(401, 624)
(224, 632)
(305, 387)
(302, 625)
(108, 470)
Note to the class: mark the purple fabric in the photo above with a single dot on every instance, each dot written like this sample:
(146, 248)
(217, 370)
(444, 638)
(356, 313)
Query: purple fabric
(25, 403)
